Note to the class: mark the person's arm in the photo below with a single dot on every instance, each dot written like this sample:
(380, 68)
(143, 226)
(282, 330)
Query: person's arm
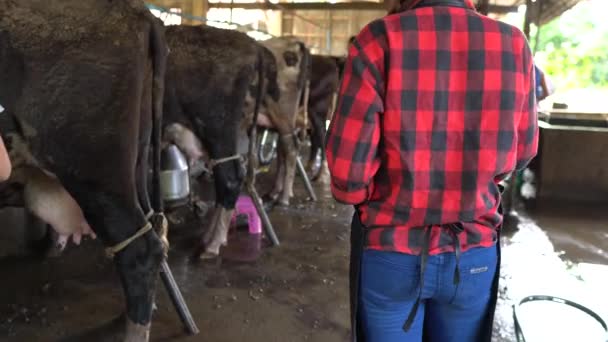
(545, 84)
(354, 133)
(5, 163)
(527, 130)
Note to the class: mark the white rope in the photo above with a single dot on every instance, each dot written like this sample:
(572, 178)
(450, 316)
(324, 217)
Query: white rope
(112, 251)
(215, 162)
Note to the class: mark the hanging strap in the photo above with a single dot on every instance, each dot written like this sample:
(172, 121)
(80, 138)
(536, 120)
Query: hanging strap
(423, 260)
(455, 230)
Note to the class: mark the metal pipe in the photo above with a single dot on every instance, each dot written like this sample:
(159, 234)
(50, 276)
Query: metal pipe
(268, 228)
(250, 185)
(177, 299)
(306, 180)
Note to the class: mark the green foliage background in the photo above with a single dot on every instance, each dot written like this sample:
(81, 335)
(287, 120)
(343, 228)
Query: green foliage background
(573, 49)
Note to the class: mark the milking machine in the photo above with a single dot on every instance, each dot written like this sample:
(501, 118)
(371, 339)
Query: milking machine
(174, 176)
(267, 147)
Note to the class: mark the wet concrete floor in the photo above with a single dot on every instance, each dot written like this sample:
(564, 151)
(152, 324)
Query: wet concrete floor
(298, 291)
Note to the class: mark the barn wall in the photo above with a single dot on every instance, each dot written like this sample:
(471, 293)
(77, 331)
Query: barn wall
(194, 7)
(327, 32)
(574, 164)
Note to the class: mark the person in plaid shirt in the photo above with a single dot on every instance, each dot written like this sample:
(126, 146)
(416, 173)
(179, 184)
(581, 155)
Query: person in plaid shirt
(437, 106)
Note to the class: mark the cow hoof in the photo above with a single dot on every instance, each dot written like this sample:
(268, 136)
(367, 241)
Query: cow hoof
(137, 332)
(283, 204)
(208, 255)
(201, 208)
(269, 202)
(111, 331)
(269, 198)
(54, 251)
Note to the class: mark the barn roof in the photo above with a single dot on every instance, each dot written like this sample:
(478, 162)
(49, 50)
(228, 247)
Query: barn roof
(542, 11)
(548, 9)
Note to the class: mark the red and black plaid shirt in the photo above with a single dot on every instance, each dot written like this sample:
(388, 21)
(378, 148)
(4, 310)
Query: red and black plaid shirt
(437, 106)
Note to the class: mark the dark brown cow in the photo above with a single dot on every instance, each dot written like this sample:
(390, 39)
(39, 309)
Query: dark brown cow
(324, 82)
(213, 79)
(82, 83)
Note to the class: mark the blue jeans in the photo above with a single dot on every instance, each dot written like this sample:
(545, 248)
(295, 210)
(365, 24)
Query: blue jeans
(447, 313)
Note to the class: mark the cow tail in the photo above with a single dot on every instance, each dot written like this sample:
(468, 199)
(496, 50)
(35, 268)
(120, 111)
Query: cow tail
(252, 133)
(305, 66)
(160, 52)
(261, 89)
(303, 82)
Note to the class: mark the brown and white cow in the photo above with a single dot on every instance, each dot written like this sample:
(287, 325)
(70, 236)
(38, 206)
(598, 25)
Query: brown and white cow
(82, 84)
(292, 59)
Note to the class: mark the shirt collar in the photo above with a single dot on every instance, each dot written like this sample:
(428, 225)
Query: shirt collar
(467, 3)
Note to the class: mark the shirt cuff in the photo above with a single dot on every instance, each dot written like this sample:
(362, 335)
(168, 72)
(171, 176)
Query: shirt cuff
(353, 197)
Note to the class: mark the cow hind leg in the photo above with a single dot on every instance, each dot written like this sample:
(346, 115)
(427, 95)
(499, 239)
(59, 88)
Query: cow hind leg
(291, 155)
(116, 219)
(138, 267)
(217, 235)
(228, 184)
(316, 145)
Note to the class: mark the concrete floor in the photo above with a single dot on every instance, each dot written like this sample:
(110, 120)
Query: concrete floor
(295, 292)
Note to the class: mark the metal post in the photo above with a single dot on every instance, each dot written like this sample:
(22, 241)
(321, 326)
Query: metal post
(268, 228)
(305, 178)
(178, 300)
(538, 26)
(330, 33)
(250, 184)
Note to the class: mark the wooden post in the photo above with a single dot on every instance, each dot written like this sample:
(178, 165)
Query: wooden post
(200, 8)
(528, 18)
(538, 25)
(484, 7)
(330, 33)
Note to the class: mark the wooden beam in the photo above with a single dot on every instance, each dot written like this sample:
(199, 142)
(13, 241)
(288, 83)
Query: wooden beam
(361, 6)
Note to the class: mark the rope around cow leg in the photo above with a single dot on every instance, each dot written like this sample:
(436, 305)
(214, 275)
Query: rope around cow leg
(163, 231)
(161, 225)
(215, 162)
(112, 251)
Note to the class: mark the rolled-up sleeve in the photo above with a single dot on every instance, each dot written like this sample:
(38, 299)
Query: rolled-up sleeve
(354, 133)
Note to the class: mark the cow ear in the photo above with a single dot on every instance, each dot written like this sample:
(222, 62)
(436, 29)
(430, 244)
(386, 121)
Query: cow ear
(291, 58)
